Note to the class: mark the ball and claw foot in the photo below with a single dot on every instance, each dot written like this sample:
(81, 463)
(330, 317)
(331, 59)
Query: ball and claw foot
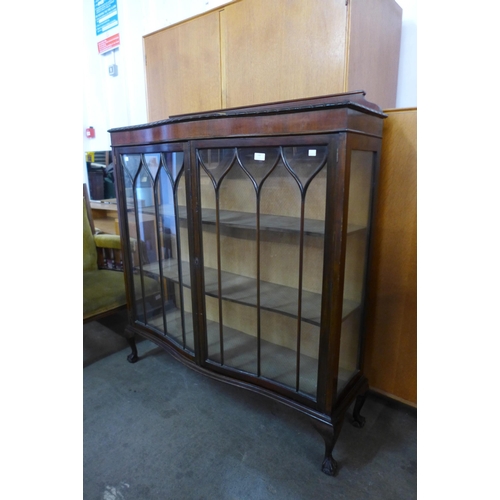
(329, 466)
(132, 357)
(358, 421)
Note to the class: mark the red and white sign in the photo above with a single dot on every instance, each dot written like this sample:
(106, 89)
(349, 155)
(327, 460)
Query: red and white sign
(109, 43)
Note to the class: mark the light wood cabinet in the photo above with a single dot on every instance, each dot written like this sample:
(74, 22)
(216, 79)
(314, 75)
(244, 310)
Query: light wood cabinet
(391, 345)
(255, 51)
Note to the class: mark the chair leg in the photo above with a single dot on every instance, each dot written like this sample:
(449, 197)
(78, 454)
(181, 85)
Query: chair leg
(133, 356)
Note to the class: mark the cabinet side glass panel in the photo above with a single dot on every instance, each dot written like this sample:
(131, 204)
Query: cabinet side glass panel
(358, 220)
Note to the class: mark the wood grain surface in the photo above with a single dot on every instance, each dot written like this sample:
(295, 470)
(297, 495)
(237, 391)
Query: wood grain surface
(391, 344)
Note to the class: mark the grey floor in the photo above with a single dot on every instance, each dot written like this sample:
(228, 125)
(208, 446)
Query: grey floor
(158, 430)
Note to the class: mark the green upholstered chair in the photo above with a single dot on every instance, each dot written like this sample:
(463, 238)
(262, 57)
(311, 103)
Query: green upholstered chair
(103, 279)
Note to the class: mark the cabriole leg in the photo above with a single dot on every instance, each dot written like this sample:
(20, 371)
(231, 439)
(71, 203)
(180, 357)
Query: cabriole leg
(357, 419)
(330, 435)
(133, 356)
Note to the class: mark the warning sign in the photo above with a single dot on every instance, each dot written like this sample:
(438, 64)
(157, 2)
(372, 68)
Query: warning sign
(109, 43)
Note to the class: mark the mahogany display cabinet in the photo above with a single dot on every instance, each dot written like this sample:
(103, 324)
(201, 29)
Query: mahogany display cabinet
(255, 224)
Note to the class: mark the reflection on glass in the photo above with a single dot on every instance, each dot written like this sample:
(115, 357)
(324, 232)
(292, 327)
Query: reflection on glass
(148, 244)
(360, 188)
(131, 165)
(153, 162)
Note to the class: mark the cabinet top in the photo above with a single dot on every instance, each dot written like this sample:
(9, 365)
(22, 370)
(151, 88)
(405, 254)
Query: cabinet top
(258, 120)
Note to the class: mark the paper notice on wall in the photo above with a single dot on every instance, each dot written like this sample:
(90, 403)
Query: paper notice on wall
(106, 15)
(106, 25)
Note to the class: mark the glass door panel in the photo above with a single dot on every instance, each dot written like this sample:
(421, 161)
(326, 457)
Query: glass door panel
(360, 192)
(225, 192)
(263, 211)
(155, 187)
(307, 164)
(141, 229)
(312, 260)
(279, 278)
(180, 252)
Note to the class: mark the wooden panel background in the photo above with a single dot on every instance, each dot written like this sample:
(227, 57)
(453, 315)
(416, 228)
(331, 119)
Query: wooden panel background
(256, 51)
(391, 344)
(183, 72)
(284, 49)
(374, 46)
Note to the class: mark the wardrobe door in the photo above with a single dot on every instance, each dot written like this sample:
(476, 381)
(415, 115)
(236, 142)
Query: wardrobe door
(283, 49)
(183, 68)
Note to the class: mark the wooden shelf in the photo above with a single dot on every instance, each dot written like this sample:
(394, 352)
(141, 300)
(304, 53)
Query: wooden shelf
(275, 223)
(277, 363)
(240, 352)
(243, 290)
(174, 324)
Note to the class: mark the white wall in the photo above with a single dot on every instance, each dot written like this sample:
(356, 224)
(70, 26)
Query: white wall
(120, 101)
(407, 78)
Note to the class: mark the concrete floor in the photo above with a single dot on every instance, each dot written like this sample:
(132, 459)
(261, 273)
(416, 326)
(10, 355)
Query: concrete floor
(158, 430)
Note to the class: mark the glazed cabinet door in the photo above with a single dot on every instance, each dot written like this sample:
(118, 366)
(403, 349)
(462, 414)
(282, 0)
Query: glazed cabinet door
(154, 220)
(263, 205)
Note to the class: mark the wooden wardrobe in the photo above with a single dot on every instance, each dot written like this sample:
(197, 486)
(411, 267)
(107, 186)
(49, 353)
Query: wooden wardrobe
(255, 51)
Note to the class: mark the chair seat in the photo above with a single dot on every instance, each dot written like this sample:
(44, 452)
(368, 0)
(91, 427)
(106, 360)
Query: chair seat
(103, 290)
